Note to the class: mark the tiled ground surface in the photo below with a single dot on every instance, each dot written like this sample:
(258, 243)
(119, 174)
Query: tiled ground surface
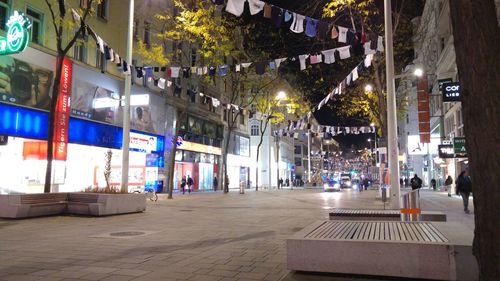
(205, 236)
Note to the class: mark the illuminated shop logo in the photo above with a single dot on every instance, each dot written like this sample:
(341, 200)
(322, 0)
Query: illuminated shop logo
(17, 34)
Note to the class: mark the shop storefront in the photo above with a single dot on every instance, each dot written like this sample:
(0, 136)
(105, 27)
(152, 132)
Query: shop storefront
(238, 162)
(197, 161)
(92, 128)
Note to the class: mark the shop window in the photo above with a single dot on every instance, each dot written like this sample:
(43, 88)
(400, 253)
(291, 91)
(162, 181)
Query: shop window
(242, 119)
(254, 130)
(80, 49)
(36, 25)
(4, 13)
(100, 60)
(102, 10)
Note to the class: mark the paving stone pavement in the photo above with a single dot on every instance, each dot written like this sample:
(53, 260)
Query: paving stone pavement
(199, 236)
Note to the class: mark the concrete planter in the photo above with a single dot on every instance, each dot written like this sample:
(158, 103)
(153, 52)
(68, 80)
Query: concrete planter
(100, 204)
(89, 204)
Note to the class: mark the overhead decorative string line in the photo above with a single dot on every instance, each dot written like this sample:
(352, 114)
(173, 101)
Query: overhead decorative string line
(303, 123)
(311, 27)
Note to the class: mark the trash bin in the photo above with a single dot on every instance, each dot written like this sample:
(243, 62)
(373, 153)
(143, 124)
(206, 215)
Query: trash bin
(410, 206)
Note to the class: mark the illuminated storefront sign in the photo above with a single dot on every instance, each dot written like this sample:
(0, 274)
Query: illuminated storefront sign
(62, 111)
(192, 146)
(17, 34)
(144, 143)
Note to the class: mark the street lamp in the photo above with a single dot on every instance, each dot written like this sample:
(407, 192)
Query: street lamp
(368, 88)
(279, 97)
(126, 107)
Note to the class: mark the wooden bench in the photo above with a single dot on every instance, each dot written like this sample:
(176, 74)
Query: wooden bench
(432, 250)
(386, 215)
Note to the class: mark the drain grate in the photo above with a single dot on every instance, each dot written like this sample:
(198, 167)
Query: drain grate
(127, 233)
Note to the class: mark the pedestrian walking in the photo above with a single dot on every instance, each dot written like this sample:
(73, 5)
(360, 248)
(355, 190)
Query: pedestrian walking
(406, 182)
(464, 188)
(416, 182)
(447, 185)
(280, 183)
(287, 182)
(433, 184)
(183, 185)
(189, 184)
(216, 182)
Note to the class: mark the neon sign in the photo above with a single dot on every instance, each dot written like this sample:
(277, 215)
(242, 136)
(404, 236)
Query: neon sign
(17, 34)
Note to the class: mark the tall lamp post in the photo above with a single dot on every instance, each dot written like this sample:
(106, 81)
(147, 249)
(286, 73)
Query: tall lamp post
(126, 106)
(392, 138)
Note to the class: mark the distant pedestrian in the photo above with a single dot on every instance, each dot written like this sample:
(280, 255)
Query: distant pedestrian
(183, 185)
(366, 183)
(401, 182)
(216, 182)
(447, 185)
(190, 184)
(280, 183)
(433, 184)
(416, 182)
(406, 182)
(464, 188)
(287, 182)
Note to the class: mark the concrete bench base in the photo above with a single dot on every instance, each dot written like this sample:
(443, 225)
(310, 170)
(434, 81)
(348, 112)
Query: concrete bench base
(437, 250)
(90, 204)
(385, 215)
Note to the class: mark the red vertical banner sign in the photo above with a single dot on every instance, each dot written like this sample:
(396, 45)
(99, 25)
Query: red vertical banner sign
(424, 125)
(62, 112)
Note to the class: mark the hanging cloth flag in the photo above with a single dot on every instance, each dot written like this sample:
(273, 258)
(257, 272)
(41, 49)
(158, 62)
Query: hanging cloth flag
(316, 59)
(223, 70)
(100, 43)
(238, 67)
(235, 7)
(380, 44)
(348, 79)
(344, 52)
(323, 30)
(302, 59)
(175, 71)
(260, 67)
(279, 61)
(298, 23)
(276, 16)
(215, 102)
(267, 11)
(169, 83)
(368, 60)
(311, 27)
(161, 83)
(342, 34)
(272, 65)
(246, 64)
(199, 71)
(355, 74)
(329, 56)
(288, 16)
(211, 70)
(193, 69)
(368, 49)
(256, 6)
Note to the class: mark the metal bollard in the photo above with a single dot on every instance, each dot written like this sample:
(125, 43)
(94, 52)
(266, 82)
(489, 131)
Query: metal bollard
(410, 207)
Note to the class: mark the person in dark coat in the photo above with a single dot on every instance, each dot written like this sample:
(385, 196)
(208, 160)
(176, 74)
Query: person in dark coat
(216, 182)
(416, 182)
(464, 188)
(190, 183)
(447, 185)
(183, 185)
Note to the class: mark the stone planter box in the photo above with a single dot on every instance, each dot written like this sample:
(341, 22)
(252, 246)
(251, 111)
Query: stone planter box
(100, 204)
(90, 204)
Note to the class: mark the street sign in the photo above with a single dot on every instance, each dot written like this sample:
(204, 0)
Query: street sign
(446, 151)
(459, 147)
(451, 92)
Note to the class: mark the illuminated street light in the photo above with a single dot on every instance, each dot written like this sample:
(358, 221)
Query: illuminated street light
(418, 72)
(368, 88)
(281, 95)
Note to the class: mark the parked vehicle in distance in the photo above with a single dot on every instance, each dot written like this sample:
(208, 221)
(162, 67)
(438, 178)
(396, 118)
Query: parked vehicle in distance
(331, 185)
(345, 181)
